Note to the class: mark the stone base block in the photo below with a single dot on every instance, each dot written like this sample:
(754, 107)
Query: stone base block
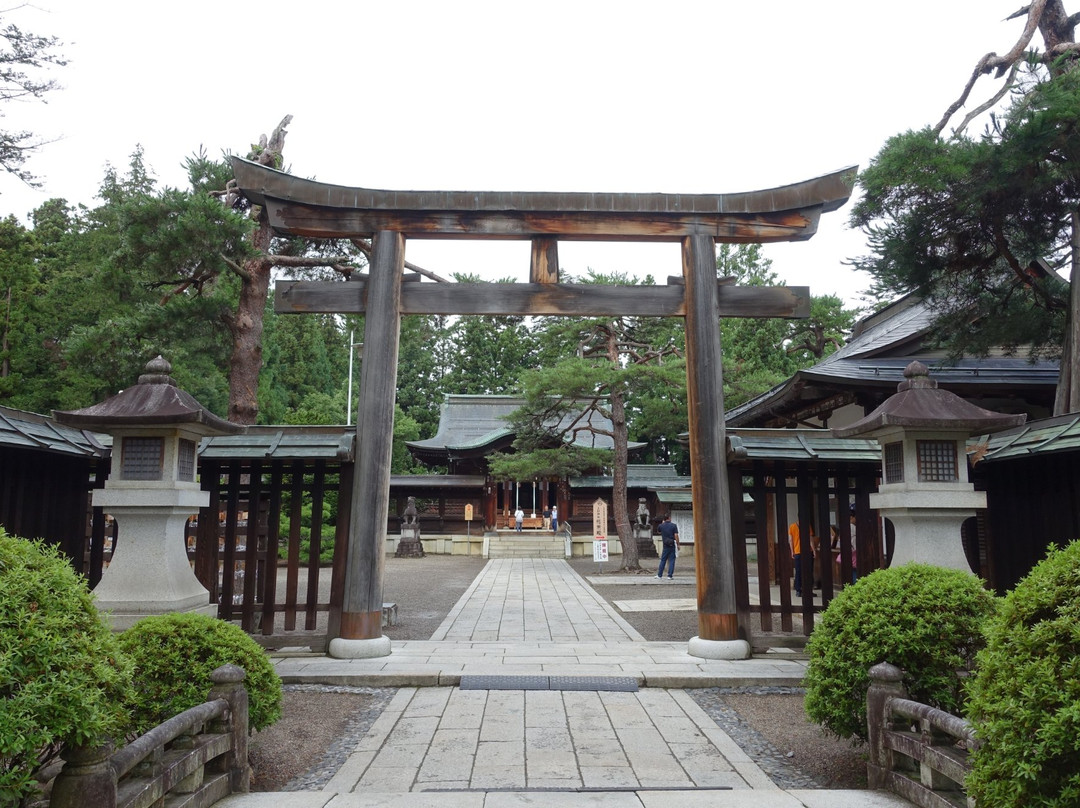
(718, 649)
(341, 648)
(121, 617)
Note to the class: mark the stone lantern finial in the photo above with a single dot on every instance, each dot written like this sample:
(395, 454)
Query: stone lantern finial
(157, 371)
(916, 377)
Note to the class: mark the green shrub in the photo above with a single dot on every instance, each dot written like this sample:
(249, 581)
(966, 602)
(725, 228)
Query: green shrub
(62, 677)
(174, 655)
(1025, 696)
(926, 620)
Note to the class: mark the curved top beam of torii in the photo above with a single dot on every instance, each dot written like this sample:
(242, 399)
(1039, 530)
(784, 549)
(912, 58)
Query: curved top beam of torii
(305, 207)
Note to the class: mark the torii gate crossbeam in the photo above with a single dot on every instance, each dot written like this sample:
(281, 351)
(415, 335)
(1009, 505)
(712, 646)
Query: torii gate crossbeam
(296, 206)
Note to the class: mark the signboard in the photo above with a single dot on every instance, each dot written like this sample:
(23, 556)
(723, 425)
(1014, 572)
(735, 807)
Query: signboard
(599, 519)
(599, 550)
(468, 512)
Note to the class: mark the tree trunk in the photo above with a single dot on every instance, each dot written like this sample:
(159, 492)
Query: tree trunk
(247, 324)
(620, 439)
(1067, 397)
(247, 330)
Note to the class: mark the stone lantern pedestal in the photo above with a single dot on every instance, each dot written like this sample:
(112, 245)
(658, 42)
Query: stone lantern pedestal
(151, 492)
(925, 491)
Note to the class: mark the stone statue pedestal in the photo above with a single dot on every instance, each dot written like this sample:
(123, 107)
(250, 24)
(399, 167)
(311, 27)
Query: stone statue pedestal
(646, 547)
(409, 545)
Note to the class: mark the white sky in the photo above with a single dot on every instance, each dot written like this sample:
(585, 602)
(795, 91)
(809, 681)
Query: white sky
(682, 97)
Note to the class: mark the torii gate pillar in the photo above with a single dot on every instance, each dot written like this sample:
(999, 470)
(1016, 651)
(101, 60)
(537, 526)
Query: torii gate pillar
(718, 630)
(361, 634)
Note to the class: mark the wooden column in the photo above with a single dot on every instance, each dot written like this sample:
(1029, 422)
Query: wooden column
(361, 613)
(717, 619)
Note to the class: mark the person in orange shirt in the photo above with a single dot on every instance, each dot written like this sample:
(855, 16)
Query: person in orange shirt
(796, 555)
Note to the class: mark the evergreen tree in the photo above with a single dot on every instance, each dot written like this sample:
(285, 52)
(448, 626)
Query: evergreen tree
(24, 60)
(611, 365)
(488, 352)
(968, 222)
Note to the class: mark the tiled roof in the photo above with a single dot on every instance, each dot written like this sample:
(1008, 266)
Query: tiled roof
(283, 443)
(1059, 434)
(799, 444)
(474, 423)
(27, 430)
(638, 475)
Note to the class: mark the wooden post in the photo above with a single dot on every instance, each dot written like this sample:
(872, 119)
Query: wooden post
(717, 619)
(361, 614)
(886, 682)
(228, 684)
(544, 262)
(86, 779)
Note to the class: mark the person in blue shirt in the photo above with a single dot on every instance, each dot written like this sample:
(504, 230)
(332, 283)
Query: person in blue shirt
(669, 534)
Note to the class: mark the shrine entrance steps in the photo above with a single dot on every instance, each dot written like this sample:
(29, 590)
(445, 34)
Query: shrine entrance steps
(526, 544)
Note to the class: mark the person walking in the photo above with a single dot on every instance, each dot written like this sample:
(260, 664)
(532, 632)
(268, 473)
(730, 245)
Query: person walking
(555, 519)
(669, 536)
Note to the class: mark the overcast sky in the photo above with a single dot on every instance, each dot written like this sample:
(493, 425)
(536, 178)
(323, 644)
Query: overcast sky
(681, 97)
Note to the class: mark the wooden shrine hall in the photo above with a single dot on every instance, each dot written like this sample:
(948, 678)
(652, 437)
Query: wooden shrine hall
(300, 207)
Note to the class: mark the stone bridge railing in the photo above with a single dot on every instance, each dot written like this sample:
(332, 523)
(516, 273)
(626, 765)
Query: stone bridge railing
(201, 753)
(916, 751)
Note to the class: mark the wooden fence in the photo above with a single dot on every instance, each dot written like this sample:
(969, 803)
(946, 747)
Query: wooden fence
(258, 546)
(195, 758)
(916, 751)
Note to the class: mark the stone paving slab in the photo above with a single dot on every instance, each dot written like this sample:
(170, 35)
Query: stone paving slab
(686, 798)
(436, 745)
(657, 605)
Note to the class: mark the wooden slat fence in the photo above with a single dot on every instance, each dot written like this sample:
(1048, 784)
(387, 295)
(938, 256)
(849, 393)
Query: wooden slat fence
(260, 545)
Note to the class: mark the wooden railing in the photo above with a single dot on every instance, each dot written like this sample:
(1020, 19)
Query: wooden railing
(916, 751)
(196, 758)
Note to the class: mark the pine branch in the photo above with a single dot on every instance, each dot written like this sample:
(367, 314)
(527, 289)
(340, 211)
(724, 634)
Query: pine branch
(364, 246)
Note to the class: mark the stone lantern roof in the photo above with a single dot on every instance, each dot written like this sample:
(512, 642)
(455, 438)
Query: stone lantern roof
(154, 401)
(919, 404)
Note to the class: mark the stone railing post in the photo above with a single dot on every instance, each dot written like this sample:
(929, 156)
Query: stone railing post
(87, 779)
(229, 685)
(886, 682)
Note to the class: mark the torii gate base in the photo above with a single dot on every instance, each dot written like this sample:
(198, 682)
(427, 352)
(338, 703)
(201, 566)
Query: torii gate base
(301, 207)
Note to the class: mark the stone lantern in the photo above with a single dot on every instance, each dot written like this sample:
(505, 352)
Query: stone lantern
(151, 492)
(925, 491)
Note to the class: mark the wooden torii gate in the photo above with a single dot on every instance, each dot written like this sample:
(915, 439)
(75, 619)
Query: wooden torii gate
(296, 206)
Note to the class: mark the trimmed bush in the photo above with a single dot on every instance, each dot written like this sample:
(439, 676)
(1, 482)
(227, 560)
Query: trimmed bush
(62, 676)
(1025, 696)
(174, 655)
(926, 620)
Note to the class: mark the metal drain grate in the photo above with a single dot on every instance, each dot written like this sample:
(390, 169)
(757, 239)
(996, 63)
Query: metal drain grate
(623, 684)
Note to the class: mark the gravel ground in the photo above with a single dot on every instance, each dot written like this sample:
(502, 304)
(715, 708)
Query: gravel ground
(320, 725)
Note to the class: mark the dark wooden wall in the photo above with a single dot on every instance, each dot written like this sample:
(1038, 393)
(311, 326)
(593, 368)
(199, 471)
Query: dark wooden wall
(1032, 503)
(47, 495)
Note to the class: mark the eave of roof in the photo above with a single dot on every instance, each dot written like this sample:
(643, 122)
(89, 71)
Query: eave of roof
(1045, 436)
(27, 430)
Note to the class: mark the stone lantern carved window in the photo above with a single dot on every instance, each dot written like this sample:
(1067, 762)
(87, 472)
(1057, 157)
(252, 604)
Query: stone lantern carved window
(185, 464)
(894, 462)
(141, 458)
(937, 461)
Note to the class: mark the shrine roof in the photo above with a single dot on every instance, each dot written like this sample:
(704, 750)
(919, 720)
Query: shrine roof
(1045, 436)
(476, 425)
(28, 430)
(336, 443)
(638, 475)
(799, 445)
(880, 347)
